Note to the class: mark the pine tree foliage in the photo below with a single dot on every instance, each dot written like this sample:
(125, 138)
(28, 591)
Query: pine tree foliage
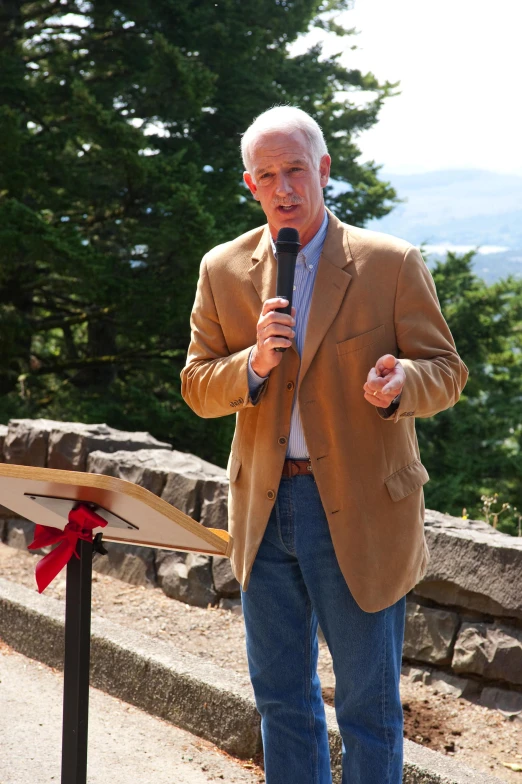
(475, 448)
(120, 125)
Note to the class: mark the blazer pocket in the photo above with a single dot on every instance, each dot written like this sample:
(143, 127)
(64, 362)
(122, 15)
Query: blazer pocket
(360, 341)
(406, 480)
(234, 464)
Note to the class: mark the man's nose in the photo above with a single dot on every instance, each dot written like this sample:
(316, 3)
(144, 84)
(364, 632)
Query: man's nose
(283, 186)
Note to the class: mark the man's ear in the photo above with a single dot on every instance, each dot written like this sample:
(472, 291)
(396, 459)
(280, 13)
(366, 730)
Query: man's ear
(324, 170)
(249, 182)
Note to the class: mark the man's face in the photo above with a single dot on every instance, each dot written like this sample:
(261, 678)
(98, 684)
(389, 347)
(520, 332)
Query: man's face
(286, 182)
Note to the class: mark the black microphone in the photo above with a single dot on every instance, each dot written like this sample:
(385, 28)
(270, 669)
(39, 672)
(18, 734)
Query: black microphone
(287, 247)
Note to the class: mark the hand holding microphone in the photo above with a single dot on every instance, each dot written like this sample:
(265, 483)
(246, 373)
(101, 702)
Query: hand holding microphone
(275, 326)
(275, 330)
(287, 247)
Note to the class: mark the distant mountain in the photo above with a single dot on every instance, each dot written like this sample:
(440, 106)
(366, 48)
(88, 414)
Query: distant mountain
(461, 207)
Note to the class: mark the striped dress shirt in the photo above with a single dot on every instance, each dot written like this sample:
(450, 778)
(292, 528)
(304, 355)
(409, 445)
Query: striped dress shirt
(305, 272)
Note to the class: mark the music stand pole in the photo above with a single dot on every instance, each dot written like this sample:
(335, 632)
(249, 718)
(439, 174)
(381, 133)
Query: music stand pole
(76, 665)
(129, 514)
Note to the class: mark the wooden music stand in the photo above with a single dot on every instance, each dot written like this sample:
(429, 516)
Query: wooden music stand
(134, 516)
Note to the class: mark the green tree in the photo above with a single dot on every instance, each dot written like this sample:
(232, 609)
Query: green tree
(474, 449)
(119, 167)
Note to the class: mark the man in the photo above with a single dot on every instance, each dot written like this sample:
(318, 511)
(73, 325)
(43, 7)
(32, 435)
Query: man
(326, 502)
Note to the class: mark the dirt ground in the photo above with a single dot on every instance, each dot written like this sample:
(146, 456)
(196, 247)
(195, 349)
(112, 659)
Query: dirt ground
(458, 727)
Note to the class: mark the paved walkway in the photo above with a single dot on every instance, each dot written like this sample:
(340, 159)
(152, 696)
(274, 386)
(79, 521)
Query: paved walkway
(126, 745)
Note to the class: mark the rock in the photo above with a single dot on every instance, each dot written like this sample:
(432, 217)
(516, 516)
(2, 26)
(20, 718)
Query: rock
(20, 533)
(26, 441)
(429, 634)
(146, 467)
(509, 703)
(130, 563)
(234, 605)
(446, 683)
(189, 480)
(4, 511)
(71, 443)
(3, 434)
(493, 651)
(224, 581)
(168, 555)
(214, 503)
(472, 566)
(183, 480)
(415, 674)
(65, 445)
(189, 581)
(469, 654)
(426, 677)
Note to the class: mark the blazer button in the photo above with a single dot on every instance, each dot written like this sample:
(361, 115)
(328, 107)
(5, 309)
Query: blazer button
(270, 494)
(282, 440)
(290, 385)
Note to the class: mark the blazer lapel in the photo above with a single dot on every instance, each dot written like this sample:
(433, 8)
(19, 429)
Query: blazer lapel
(263, 272)
(330, 286)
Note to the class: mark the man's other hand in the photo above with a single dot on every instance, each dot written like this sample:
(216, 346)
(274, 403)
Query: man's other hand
(274, 330)
(385, 381)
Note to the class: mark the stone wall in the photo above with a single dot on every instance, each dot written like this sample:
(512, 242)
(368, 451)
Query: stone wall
(198, 488)
(464, 619)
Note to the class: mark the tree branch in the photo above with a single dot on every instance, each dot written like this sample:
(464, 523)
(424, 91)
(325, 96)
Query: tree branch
(51, 322)
(122, 360)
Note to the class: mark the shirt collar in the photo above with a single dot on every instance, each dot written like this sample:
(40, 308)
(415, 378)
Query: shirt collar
(315, 243)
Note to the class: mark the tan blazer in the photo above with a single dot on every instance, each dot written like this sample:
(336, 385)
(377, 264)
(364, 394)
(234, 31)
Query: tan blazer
(373, 295)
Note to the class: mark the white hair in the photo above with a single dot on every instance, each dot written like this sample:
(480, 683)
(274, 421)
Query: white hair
(287, 119)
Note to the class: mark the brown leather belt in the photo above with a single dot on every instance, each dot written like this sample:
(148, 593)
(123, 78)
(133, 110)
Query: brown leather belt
(295, 467)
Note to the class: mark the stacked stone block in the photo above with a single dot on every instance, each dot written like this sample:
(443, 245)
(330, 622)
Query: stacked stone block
(464, 618)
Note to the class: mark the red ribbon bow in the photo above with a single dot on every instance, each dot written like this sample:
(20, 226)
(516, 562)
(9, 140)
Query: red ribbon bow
(82, 521)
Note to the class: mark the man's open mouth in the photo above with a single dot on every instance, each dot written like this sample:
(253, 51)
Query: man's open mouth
(287, 209)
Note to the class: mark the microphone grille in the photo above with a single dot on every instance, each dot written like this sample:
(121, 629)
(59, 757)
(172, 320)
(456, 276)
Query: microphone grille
(287, 234)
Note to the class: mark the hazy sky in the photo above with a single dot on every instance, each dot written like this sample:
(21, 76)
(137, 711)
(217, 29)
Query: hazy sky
(460, 67)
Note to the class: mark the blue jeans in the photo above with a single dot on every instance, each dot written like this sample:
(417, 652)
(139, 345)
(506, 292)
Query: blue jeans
(296, 583)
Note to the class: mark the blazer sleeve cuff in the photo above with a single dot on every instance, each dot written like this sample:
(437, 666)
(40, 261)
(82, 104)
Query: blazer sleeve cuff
(256, 384)
(387, 413)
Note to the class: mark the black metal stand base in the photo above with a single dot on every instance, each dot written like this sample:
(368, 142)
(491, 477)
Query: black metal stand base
(76, 665)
